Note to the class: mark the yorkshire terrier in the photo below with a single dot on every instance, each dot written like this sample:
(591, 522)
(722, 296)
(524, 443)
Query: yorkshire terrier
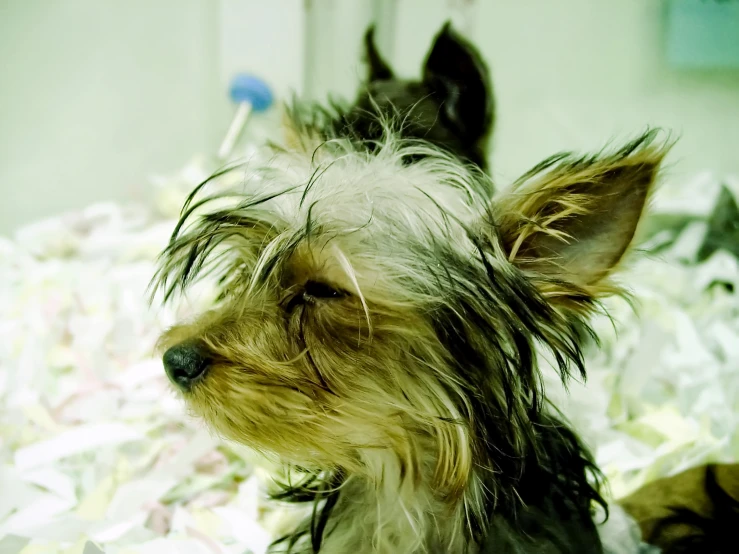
(381, 315)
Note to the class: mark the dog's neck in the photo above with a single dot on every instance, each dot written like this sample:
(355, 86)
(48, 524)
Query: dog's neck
(393, 506)
(389, 511)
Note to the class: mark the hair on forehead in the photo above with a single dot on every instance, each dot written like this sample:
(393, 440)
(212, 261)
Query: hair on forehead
(260, 211)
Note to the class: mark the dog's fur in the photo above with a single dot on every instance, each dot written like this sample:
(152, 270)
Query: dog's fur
(379, 325)
(693, 512)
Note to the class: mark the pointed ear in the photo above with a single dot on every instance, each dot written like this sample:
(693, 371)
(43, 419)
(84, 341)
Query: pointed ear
(378, 69)
(459, 77)
(568, 222)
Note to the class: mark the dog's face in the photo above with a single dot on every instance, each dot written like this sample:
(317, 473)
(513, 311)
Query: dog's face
(451, 106)
(377, 310)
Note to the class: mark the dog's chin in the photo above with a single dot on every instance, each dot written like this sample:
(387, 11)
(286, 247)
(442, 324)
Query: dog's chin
(242, 432)
(283, 439)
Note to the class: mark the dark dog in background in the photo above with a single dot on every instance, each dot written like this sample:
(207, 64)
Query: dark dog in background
(452, 106)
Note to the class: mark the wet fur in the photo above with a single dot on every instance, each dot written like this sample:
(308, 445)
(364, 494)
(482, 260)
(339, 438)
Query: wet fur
(378, 330)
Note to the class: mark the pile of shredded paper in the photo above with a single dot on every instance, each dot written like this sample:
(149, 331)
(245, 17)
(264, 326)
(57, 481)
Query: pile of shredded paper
(98, 455)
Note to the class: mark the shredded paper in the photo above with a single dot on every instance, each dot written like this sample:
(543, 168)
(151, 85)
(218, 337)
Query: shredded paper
(98, 455)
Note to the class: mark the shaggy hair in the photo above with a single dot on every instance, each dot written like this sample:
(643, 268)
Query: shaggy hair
(378, 330)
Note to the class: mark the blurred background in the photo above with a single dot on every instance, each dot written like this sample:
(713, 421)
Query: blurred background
(98, 96)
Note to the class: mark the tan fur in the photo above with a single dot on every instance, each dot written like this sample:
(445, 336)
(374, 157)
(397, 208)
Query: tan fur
(547, 218)
(280, 407)
(297, 139)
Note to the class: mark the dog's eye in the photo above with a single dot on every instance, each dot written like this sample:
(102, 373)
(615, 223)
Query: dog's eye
(315, 289)
(310, 293)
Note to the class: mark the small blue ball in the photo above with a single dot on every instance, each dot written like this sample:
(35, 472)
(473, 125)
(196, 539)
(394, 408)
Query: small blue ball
(247, 88)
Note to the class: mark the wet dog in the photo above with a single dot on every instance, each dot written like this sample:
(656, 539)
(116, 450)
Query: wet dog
(381, 313)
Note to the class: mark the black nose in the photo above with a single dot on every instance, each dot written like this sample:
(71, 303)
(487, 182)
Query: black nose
(185, 363)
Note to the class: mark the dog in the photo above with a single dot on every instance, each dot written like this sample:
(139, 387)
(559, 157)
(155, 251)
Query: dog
(452, 106)
(381, 313)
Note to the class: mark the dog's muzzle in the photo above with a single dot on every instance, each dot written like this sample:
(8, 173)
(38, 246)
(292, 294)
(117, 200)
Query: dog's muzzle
(185, 363)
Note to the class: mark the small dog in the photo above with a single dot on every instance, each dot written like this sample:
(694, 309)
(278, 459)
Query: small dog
(381, 314)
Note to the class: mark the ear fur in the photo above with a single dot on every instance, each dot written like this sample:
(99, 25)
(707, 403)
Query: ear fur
(459, 77)
(569, 221)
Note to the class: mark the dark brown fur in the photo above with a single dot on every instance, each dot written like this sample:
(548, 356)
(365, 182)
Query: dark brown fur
(452, 106)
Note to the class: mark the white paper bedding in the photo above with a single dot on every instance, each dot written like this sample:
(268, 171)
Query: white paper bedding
(97, 454)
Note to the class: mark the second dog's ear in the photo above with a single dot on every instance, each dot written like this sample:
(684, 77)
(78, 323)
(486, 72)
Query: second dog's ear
(378, 69)
(568, 222)
(457, 74)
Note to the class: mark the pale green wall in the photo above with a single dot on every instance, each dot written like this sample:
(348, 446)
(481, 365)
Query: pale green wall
(573, 74)
(97, 94)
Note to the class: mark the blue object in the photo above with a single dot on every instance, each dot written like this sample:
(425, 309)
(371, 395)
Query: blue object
(247, 88)
(703, 34)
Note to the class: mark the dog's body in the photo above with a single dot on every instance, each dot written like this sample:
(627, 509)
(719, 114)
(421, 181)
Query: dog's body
(380, 321)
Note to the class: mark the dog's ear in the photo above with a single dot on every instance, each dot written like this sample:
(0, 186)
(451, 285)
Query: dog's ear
(379, 70)
(458, 76)
(569, 221)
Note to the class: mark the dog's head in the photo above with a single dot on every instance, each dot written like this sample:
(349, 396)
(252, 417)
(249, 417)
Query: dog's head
(374, 311)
